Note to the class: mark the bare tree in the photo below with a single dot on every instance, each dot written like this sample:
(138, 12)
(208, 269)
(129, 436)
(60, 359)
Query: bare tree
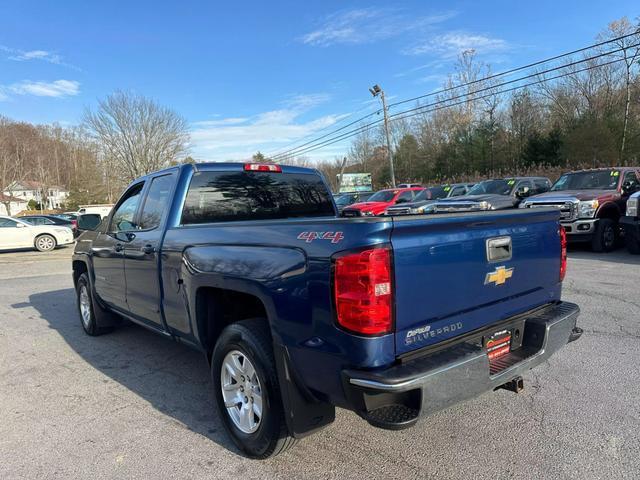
(138, 134)
(630, 53)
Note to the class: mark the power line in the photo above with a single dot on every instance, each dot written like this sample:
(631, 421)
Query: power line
(315, 132)
(517, 69)
(535, 74)
(411, 113)
(301, 148)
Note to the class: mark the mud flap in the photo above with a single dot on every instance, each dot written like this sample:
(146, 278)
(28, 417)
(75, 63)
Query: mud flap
(303, 413)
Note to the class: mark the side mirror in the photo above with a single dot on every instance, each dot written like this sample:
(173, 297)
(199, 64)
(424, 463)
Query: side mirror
(89, 221)
(523, 192)
(401, 200)
(20, 225)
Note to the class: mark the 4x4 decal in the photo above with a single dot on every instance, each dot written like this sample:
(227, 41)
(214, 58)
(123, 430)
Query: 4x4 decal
(309, 237)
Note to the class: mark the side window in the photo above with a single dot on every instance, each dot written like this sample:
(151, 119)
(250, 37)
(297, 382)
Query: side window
(122, 219)
(404, 197)
(7, 223)
(156, 202)
(457, 191)
(541, 185)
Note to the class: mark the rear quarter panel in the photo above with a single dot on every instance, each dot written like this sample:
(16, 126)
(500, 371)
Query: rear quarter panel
(290, 272)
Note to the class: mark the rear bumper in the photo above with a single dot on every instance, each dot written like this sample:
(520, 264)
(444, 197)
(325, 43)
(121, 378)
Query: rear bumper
(438, 380)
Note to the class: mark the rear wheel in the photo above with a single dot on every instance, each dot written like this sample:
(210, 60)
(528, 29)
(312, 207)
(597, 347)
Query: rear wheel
(45, 243)
(247, 390)
(606, 235)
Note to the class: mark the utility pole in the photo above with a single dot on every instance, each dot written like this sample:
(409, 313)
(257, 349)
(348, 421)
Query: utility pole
(375, 91)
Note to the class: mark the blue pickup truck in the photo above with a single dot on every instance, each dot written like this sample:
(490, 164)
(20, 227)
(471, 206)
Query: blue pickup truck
(299, 311)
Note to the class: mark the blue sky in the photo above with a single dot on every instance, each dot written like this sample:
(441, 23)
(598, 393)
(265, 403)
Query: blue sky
(259, 75)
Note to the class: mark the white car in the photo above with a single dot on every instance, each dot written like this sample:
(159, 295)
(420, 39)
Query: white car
(16, 233)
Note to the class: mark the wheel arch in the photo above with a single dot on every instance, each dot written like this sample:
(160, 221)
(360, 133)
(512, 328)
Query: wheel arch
(215, 308)
(609, 210)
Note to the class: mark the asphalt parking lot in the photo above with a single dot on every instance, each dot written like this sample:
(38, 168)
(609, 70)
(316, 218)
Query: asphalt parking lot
(134, 405)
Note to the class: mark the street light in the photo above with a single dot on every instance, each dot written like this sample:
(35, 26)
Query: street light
(377, 91)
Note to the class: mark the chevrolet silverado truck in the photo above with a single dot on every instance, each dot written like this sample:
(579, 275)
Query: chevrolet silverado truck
(377, 203)
(631, 224)
(298, 311)
(591, 203)
(496, 194)
(424, 200)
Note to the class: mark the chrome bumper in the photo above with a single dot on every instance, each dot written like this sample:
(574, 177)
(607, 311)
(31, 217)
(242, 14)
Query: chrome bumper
(463, 371)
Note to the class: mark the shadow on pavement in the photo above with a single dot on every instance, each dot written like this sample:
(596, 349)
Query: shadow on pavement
(173, 378)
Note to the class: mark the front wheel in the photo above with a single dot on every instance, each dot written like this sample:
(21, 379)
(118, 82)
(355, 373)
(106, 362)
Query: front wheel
(247, 390)
(606, 236)
(45, 243)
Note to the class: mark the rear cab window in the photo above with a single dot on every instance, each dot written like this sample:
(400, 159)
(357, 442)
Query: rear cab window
(219, 196)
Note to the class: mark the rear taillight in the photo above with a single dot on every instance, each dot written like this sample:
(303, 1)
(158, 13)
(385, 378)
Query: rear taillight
(262, 167)
(363, 291)
(563, 253)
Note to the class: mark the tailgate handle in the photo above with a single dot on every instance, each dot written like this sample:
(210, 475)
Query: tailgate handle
(499, 249)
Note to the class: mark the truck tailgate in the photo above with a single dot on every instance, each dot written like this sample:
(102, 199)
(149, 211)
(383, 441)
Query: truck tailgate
(447, 286)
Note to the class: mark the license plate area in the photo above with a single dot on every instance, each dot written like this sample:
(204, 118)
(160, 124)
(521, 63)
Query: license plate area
(498, 344)
(503, 341)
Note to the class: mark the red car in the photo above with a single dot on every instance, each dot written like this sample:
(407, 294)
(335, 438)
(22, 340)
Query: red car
(380, 201)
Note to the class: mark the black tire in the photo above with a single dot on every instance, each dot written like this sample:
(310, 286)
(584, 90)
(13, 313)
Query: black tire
(605, 238)
(89, 323)
(45, 242)
(252, 339)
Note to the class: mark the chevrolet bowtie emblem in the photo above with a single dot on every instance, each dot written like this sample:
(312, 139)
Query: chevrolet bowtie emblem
(499, 276)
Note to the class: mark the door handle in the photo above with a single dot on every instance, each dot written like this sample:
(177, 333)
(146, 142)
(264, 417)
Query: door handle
(118, 247)
(148, 248)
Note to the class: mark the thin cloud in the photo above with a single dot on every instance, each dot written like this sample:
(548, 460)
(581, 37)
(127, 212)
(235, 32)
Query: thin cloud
(367, 25)
(239, 137)
(55, 89)
(451, 44)
(17, 55)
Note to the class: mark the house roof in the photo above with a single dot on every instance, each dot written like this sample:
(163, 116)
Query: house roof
(32, 185)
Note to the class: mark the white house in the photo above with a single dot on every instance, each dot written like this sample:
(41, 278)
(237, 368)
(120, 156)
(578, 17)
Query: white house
(15, 205)
(28, 190)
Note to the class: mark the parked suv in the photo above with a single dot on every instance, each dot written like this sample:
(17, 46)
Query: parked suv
(631, 223)
(423, 202)
(496, 194)
(591, 203)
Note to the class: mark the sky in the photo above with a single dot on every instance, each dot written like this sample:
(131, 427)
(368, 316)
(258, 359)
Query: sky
(266, 76)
